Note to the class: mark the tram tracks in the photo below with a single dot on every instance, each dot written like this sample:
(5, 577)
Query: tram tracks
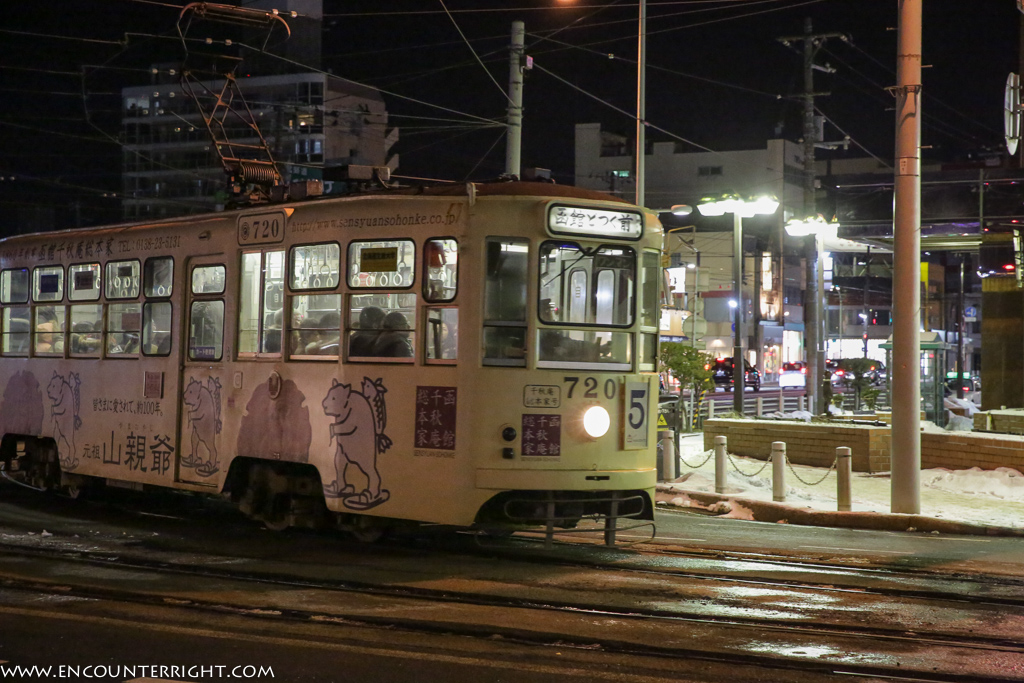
(575, 623)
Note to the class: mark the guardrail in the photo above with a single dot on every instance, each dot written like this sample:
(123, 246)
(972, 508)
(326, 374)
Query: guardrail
(769, 401)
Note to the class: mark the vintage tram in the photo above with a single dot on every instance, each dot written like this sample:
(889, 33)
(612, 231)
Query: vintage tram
(477, 355)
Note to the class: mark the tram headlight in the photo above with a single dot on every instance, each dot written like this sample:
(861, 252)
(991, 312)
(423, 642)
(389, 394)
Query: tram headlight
(596, 421)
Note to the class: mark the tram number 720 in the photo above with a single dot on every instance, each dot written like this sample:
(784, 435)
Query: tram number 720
(589, 387)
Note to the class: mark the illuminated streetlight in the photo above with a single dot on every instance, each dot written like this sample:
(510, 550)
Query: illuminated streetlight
(740, 208)
(818, 228)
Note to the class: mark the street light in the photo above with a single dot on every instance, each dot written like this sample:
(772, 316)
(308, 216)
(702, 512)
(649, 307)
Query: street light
(817, 228)
(740, 208)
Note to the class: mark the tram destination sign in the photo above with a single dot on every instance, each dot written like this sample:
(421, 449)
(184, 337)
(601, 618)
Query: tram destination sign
(578, 220)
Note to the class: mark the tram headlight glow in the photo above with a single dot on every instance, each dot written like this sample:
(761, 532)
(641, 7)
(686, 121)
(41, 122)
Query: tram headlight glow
(596, 421)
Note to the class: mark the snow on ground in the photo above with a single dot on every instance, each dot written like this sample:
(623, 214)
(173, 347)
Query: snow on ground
(991, 497)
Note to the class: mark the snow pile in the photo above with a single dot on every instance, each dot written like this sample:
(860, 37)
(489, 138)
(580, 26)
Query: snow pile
(1003, 482)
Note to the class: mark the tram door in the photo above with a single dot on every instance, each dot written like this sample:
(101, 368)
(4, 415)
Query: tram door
(200, 456)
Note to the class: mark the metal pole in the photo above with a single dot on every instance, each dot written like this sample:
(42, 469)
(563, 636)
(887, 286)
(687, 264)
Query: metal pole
(779, 471)
(641, 105)
(514, 135)
(867, 311)
(738, 365)
(960, 333)
(843, 476)
(906, 351)
(720, 446)
(814, 341)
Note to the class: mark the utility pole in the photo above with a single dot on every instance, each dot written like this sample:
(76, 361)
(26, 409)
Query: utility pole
(514, 135)
(906, 340)
(641, 105)
(813, 309)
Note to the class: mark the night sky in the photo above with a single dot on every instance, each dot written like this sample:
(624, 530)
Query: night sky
(717, 77)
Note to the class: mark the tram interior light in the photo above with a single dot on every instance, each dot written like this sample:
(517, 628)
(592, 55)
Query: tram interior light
(596, 421)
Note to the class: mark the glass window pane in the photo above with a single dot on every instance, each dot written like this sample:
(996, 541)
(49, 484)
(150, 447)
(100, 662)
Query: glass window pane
(578, 348)
(16, 329)
(504, 345)
(14, 286)
(587, 288)
(86, 329)
(158, 277)
(49, 330)
(315, 266)
(316, 325)
(123, 280)
(381, 325)
(48, 283)
(442, 334)
(649, 304)
(648, 351)
(385, 263)
(249, 302)
(441, 265)
(123, 324)
(505, 286)
(273, 302)
(156, 328)
(208, 279)
(84, 281)
(206, 330)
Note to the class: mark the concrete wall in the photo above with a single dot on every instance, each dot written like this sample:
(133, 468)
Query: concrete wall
(806, 443)
(815, 444)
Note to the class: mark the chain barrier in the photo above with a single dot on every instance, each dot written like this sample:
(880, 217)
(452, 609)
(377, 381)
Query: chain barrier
(736, 467)
(708, 453)
(807, 483)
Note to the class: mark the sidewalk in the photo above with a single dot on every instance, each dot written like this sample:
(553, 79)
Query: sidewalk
(962, 502)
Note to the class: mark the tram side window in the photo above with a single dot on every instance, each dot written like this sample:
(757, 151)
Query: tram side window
(206, 330)
(86, 330)
(381, 263)
(381, 326)
(84, 281)
(206, 315)
(441, 265)
(650, 305)
(315, 266)
(123, 324)
(122, 280)
(14, 286)
(48, 286)
(156, 328)
(504, 330)
(261, 303)
(316, 325)
(442, 334)
(158, 277)
(49, 331)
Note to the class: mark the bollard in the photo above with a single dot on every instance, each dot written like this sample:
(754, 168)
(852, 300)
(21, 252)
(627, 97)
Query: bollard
(667, 466)
(844, 465)
(779, 471)
(720, 442)
(760, 406)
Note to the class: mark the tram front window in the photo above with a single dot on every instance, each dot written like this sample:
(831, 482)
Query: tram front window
(586, 288)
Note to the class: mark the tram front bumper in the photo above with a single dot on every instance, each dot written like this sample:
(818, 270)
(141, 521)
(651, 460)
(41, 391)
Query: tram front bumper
(567, 480)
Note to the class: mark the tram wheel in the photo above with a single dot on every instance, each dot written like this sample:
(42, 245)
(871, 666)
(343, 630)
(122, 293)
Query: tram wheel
(366, 529)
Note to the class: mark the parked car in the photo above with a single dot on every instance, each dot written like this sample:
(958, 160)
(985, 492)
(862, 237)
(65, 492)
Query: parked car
(970, 384)
(844, 371)
(793, 375)
(721, 372)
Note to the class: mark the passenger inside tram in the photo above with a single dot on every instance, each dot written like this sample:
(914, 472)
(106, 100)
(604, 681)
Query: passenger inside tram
(363, 340)
(394, 340)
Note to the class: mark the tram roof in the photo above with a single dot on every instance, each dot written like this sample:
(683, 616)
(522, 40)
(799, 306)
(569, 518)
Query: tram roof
(488, 189)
